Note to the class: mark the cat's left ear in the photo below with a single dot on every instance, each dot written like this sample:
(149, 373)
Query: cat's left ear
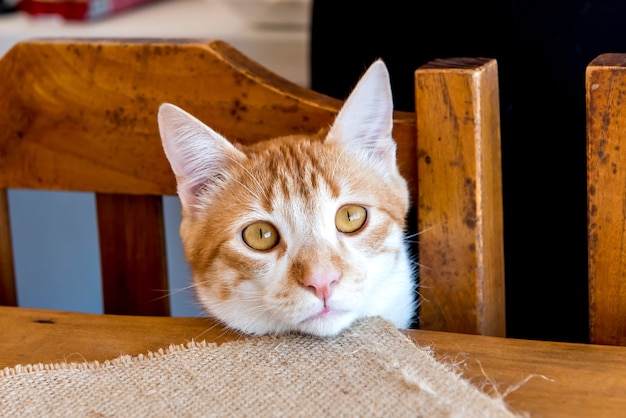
(199, 156)
(365, 121)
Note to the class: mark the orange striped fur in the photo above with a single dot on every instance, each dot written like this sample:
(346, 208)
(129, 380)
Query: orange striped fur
(261, 224)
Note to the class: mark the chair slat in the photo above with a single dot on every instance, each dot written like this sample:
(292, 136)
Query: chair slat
(460, 197)
(100, 90)
(57, 90)
(132, 252)
(8, 292)
(606, 198)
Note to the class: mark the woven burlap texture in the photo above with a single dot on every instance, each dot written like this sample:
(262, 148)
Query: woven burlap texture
(370, 370)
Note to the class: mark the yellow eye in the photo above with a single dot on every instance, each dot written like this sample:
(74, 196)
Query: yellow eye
(350, 218)
(260, 236)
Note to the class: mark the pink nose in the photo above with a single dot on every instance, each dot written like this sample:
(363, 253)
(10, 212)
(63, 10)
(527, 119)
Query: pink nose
(321, 283)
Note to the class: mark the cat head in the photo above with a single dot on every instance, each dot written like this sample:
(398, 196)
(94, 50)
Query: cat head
(297, 233)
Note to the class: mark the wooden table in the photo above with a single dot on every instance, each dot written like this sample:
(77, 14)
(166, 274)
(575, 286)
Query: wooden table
(546, 379)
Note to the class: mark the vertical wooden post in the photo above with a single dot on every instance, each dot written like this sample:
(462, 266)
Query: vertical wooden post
(460, 197)
(606, 198)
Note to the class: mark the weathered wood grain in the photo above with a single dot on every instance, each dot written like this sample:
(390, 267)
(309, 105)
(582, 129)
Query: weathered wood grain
(606, 197)
(461, 251)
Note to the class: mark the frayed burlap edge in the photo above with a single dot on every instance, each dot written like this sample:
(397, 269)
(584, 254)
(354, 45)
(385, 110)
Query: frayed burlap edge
(124, 359)
(373, 335)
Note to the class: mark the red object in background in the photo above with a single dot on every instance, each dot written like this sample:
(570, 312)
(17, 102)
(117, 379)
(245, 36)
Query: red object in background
(77, 9)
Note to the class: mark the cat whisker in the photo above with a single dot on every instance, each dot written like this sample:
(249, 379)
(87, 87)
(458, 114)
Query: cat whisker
(166, 293)
(421, 298)
(170, 292)
(418, 233)
(410, 237)
(252, 177)
(245, 187)
(225, 330)
(256, 310)
(419, 265)
(182, 289)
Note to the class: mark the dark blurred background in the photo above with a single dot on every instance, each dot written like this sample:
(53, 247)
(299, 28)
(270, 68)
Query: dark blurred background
(542, 49)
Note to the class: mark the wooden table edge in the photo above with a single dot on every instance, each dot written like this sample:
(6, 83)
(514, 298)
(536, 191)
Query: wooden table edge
(535, 377)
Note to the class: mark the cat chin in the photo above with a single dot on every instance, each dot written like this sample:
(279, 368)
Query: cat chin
(326, 325)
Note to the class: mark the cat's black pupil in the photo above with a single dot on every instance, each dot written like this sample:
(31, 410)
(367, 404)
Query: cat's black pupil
(348, 212)
(260, 233)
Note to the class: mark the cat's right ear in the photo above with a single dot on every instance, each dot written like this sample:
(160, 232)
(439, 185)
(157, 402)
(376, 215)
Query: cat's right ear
(365, 122)
(199, 156)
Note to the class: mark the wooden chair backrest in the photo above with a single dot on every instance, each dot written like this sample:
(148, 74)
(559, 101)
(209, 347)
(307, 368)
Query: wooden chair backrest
(606, 198)
(80, 115)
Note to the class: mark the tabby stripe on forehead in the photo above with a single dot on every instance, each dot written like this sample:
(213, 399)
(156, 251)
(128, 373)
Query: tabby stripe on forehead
(314, 181)
(323, 173)
(298, 170)
(269, 186)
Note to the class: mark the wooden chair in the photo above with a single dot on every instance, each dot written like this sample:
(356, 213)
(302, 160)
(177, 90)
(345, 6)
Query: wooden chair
(606, 196)
(80, 115)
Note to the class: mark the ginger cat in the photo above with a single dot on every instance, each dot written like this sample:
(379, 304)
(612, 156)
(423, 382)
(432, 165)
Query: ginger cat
(299, 233)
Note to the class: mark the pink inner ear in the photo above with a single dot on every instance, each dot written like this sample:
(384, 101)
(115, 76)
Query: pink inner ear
(365, 121)
(198, 155)
(188, 193)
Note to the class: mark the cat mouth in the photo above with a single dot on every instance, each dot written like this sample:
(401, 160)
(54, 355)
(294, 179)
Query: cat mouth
(325, 313)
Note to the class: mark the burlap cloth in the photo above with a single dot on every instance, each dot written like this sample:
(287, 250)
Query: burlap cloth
(370, 370)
